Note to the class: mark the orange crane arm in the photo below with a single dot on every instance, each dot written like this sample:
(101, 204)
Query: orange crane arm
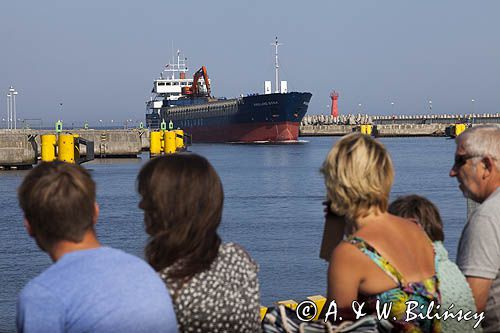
(205, 77)
(196, 77)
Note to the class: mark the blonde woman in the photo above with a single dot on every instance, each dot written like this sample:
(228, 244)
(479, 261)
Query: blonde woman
(384, 259)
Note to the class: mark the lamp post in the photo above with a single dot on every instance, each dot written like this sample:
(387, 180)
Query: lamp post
(60, 113)
(14, 94)
(12, 107)
(8, 110)
(430, 106)
(359, 108)
(472, 104)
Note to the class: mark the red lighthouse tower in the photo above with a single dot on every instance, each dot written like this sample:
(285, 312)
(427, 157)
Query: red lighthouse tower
(335, 108)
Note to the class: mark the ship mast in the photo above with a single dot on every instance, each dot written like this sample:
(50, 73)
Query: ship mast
(276, 65)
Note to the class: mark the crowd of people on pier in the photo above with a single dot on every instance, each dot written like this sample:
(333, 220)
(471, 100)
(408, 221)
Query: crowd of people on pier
(378, 252)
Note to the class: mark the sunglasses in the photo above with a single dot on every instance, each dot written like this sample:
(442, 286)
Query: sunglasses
(460, 160)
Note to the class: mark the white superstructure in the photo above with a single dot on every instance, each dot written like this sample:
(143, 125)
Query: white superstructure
(170, 83)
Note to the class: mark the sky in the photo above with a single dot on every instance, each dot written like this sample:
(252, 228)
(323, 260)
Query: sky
(99, 57)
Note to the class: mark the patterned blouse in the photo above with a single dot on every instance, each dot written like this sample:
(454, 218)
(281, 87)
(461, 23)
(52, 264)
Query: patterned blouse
(224, 298)
(422, 292)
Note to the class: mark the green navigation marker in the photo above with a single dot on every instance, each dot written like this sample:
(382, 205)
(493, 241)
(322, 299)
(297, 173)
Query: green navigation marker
(59, 126)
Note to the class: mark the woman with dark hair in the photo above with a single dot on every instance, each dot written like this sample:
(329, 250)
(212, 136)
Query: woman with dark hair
(452, 283)
(213, 285)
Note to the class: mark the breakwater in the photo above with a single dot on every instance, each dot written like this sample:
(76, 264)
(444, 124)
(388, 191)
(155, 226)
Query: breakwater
(387, 126)
(21, 148)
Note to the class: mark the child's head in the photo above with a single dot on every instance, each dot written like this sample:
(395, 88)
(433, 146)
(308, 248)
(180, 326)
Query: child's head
(423, 211)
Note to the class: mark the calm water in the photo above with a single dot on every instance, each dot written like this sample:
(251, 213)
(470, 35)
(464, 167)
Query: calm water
(272, 207)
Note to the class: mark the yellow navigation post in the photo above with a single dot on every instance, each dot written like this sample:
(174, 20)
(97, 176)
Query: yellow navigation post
(66, 148)
(179, 139)
(48, 147)
(366, 129)
(169, 142)
(155, 143)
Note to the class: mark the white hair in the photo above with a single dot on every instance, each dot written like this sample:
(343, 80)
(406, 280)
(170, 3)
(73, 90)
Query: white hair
(482, 140)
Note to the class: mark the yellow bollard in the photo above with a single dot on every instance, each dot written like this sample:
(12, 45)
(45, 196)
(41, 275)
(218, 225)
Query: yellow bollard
(179, 139)
(169, 142)
(66, 148)
(48, 147)
(155, 143)
(459, 128)
(368, 129)
(320, 303)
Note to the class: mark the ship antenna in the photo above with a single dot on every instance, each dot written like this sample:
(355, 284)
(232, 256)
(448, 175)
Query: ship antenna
(173, 59)
(276, 65)
(178, 59)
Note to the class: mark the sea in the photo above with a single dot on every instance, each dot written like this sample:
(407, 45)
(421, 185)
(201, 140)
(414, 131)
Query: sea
(272, 207)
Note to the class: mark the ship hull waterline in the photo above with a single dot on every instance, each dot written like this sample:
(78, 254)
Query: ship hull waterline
(283, 132)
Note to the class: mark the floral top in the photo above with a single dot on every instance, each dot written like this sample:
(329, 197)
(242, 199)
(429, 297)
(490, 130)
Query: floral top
(224, 298)
(423, 293)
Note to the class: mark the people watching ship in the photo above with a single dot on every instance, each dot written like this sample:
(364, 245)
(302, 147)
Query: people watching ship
(213, 285)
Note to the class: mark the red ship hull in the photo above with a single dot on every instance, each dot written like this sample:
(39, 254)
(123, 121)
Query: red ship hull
(249, 132)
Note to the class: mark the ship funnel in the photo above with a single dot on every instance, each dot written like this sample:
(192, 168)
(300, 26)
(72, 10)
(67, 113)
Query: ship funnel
(267, 87)
(284, 87)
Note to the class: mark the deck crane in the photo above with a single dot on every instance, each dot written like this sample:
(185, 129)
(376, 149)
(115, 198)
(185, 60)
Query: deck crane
(194, 89)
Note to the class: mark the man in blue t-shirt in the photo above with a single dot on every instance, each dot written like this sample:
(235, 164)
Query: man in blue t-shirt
(89, 288)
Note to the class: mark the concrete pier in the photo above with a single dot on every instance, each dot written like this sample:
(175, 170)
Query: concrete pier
(18, 149)
(388, 126)
(21, 148)
(114, 143)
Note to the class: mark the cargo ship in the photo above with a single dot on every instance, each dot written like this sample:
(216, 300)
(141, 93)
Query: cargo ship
(187, 103)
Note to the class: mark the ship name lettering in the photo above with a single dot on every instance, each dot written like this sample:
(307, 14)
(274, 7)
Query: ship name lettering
(266, 103)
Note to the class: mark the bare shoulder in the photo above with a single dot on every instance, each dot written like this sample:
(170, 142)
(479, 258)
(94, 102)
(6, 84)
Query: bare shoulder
(346, 254)
(412, 228)
(345, 273)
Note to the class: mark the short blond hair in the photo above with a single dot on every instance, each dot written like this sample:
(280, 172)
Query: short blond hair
(358, 176)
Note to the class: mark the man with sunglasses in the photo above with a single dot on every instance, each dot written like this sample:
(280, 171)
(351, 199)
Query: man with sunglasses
(477, 169)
